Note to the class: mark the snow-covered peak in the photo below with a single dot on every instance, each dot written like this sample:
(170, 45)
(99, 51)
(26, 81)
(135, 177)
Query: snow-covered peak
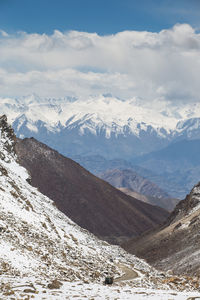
(99, 122)
(111, 114)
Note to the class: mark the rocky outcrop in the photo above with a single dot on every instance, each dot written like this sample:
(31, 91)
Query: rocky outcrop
(186, 206)
(8, 139)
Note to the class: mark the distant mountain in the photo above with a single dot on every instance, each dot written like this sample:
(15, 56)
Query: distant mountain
(178, 163)
(101, 125)
(132, 183)
(167, 203)
(176, 184)
(89, 201)
(97, 164)
(139, 196)
(131, 180)
(180, 155)
(175, 246)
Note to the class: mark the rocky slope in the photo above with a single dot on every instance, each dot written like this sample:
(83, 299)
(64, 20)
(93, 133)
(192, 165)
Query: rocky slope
(89, 201)
(176, 245)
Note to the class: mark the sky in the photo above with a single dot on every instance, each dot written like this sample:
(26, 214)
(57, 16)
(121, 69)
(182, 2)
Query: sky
(101, 16)
(148, 49)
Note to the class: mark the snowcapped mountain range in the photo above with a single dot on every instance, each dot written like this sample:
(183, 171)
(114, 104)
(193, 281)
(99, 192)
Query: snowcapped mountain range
(96, 125)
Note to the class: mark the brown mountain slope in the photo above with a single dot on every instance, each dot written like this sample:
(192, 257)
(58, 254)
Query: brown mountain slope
(86, 199)
(176, 246)
(130, 180)
(167, 204)
(134, 194)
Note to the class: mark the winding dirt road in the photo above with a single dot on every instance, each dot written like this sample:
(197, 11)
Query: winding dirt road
(129, 274)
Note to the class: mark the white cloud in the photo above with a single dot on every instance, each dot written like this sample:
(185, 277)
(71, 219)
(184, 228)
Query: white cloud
(149, 65)
(4, 33)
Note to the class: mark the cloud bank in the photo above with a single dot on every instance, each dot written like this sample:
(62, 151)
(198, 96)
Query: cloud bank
(163, 65)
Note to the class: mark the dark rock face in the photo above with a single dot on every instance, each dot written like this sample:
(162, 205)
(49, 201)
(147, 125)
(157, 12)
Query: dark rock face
(175, 246)
(8, 134)
(185, 206)
(86, 199)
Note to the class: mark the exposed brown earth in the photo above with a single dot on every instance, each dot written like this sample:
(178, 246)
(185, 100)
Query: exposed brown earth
(89, 201)
(176, 246)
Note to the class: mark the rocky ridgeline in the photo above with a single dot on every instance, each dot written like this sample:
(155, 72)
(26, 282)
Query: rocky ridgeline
(189, 205)
(175, 245)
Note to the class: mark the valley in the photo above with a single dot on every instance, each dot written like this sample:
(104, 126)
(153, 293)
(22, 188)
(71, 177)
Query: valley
(87, 200)
(44, 254)
(130, 209)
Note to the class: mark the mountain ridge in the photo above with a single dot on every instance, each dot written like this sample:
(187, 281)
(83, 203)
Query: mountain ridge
(89, 201)
(103, 120)
(126, 178)
(175, 245)
(129, 182)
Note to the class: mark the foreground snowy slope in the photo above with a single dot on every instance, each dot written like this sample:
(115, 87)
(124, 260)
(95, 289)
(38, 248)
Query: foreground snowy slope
(22, 288)
(44, 255)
